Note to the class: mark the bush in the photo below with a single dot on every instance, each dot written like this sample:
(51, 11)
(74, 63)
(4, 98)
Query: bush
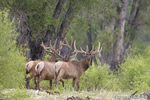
(135, 73)
(94, 78)
(12, 63)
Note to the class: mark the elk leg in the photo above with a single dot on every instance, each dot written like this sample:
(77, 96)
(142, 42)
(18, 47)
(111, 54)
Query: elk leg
(28, 79)
(73, 82)
(27, 82)
(62, 82)
(59, 77)
(35, 82)
(78, 80)
(50, 84)
(38, 82)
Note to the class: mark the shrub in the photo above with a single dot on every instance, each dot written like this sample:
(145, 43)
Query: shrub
(135, 72)
(12, 63)
(95, 77)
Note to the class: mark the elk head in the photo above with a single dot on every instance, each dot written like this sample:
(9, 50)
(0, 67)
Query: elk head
(89, 55)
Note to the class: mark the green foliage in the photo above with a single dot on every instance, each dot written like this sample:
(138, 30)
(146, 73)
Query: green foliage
(135, 72)
(95, 77)
(16, 94)
(36, 15)
(106, 38)
(47, 57)
(11, 61)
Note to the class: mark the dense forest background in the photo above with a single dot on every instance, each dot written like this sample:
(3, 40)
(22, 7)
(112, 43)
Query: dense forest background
(122, 27)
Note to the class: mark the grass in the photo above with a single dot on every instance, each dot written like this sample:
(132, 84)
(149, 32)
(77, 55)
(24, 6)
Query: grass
(24, 94)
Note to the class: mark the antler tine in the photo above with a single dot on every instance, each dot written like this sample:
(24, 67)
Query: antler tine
(99, 46)
(98, 50)
(87, 48)
(60, 47)
(46, 48)
(75, 52)
(67, 45)
(71, 41)
(92, 49)
(82, 51)
(66, 41)
(54, 51)
(50, 45)
(55, 43)
(75, 45)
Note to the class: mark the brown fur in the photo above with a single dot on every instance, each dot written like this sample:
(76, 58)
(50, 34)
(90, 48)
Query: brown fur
(72, 70)
(30, 71)
(46, 71)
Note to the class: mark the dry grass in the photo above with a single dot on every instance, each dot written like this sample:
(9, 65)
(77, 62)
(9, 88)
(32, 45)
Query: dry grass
(52, 95)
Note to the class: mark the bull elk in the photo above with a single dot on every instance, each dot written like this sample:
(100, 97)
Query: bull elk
(74, 69)
(46, 70)
(30, 66)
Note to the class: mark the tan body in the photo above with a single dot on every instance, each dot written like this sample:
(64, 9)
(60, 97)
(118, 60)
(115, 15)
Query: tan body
(71, 70)
(75, 69)
(30, 66)
(30, 69)
(45, 71)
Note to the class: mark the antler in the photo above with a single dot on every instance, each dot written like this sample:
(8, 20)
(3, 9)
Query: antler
(52, 49)
(71, 52)
(76, 51)
(67, 45)
(92, 52)
(99, 49)
(46, 49)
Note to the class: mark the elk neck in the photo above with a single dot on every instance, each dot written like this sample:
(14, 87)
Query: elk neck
(53, 59)
(85, 64)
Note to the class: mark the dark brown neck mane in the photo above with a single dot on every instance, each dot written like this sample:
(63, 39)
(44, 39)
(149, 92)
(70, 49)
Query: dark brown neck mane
(53, 58)
(85, 64)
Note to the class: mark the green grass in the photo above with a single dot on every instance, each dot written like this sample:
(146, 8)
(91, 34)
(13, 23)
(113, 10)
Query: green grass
(24, 94)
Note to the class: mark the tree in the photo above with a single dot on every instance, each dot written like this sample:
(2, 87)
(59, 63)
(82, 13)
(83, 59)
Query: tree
(38, 21)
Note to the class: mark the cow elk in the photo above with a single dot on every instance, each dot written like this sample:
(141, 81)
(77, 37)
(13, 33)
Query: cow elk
(74, 69)
(30, 66)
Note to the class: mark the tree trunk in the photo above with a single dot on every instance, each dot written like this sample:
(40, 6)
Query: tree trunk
(133, 22)
(58, 9)
(89, 37)
(108, 55)
(64, 27)
(119, 43)
(131, 16)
